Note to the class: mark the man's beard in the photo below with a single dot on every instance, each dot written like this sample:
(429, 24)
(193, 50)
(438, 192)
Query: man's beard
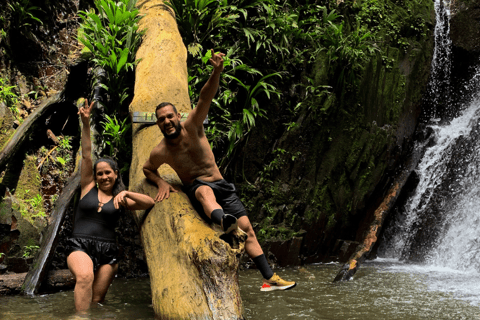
(174, 135)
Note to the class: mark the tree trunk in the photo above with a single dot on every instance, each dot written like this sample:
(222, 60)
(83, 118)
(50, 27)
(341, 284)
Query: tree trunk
(26, 128)
(55, 281)
(370, 236)
(36, 275)
(193, 268)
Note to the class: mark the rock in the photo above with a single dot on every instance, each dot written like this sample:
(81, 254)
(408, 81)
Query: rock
(464, 26)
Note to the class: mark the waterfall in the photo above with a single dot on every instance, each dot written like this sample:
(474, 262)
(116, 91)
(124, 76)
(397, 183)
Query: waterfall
(439, 85)
(439, 223)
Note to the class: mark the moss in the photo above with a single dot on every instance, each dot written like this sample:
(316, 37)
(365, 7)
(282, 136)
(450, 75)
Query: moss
(29, 189)
(29, 184)
(346, 142)
(6, 128)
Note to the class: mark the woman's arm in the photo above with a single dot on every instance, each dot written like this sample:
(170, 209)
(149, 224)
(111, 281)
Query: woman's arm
(87, 180)
(133, 200)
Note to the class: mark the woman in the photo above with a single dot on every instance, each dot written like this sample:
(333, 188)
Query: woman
(92, 250)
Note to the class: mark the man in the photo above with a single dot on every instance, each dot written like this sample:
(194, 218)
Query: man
(186, 149)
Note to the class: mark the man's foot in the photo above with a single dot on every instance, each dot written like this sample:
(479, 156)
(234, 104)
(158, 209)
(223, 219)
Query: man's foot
(276, 283)
(229, 223)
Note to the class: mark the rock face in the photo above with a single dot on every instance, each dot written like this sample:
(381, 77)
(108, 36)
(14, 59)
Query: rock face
(193, 272)
(464, 26)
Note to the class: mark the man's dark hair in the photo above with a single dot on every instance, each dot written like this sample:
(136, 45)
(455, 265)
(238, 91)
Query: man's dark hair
(118, 186)
(164, 104)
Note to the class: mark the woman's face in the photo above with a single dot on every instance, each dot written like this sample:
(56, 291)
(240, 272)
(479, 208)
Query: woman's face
(105, 176)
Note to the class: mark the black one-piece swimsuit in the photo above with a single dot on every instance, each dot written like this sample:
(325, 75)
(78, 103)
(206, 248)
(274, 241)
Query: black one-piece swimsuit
(94, 232)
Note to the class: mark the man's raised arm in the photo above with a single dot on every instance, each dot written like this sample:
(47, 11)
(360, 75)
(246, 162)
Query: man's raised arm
(151, 173)
(208, 92)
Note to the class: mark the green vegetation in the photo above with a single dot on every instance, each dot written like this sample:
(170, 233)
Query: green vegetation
(29, 251)
(115, 136)
(111, 39)
(17, 18)
(65, 143)
(61, 161)
(298, 69)
(269, 45)
(8, 96)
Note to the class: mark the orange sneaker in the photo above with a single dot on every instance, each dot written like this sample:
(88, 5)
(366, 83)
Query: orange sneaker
(276, 283)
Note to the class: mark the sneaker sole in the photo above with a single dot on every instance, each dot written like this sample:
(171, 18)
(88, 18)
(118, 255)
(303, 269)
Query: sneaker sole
(273, 288)
(233, 223)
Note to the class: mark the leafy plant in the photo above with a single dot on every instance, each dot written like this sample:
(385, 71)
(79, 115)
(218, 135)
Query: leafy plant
(36, 202)
(61, 161)
(65, 143)
(29, 251)
(111, 39)
(20, 15)
(114, 134)
(8, 96)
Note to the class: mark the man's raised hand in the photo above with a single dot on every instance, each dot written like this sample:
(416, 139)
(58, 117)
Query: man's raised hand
(217, 60)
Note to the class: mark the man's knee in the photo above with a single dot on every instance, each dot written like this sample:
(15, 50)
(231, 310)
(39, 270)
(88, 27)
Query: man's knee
(204, 193)
(246, 226)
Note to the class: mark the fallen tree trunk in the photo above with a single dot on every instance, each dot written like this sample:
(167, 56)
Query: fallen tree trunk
(193, 272)
(56, 280)
(348, 270)
(26, 128)
(35, 277)
(42, 261)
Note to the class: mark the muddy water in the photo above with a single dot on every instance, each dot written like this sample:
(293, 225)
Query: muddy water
(383, 289)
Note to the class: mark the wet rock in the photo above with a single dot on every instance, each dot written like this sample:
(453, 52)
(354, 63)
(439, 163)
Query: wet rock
(3, 269)
(464, 26)
(287, 253)
(18, 265)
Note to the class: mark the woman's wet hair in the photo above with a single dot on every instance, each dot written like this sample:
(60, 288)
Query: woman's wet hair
(118, 186)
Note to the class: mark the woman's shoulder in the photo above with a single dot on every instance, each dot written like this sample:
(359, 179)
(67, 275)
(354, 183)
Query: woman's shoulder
(87, 191)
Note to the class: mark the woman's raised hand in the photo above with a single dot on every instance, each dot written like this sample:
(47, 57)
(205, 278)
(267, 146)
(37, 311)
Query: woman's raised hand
(85, 112)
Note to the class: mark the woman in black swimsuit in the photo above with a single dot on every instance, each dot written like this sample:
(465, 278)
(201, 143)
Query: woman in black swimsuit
(92, 250)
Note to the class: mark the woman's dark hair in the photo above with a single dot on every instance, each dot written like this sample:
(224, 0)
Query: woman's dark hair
(118, 186)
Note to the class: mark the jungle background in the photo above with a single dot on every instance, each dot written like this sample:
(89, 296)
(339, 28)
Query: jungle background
(316, 113)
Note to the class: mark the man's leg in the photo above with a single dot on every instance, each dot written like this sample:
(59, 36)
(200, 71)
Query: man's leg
(103, 278)
(213, 210)
(81, 267)
(254, 251)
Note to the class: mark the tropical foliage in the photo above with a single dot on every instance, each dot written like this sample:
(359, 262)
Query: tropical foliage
(111, 39)
(8, 96)
(18, 15)
(269, 45)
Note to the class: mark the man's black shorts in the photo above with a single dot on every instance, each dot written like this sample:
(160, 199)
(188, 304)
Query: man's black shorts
(226, 195)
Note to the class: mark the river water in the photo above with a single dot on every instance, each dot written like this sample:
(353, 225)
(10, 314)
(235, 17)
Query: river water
(381, 289)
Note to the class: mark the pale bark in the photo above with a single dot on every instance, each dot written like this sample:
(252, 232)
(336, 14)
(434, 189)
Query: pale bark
(193, 272)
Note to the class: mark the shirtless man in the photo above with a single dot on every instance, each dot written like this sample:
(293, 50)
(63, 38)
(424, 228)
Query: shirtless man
(186, 149)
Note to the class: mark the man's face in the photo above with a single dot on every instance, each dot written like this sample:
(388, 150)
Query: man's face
(169, 122)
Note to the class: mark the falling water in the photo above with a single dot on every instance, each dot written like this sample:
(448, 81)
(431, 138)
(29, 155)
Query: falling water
(439, 86)
(440, 221)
